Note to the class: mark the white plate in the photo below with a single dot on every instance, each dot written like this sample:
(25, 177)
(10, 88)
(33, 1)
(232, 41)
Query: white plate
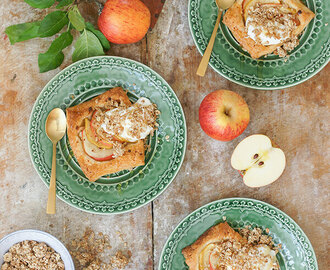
(39, 236)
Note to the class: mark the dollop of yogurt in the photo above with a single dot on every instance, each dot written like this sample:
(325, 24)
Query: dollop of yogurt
(128, 123)
(262, 36)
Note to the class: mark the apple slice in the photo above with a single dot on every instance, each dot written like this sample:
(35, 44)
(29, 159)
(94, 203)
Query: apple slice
(99, 142)
(258, 161)
(204, 256)
(96, 153)
(213, 257)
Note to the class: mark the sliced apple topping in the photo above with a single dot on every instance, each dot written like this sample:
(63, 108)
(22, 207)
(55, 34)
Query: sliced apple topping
(96, 153)
(94, 139)
(204, 257)
(258, 161)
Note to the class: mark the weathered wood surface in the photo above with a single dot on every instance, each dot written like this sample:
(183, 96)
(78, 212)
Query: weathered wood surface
(296, 118)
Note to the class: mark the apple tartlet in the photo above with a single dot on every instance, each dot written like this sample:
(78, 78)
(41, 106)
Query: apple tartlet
(267, 26)
(221, 247)
(107, 133)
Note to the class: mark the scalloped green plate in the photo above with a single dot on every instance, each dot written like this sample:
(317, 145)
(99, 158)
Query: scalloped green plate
(296, 252)
(126, 190)
(272, 72)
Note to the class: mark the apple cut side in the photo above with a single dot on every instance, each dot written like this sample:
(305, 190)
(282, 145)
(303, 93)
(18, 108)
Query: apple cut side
(96, 153)
(268, 169)
(258, 161)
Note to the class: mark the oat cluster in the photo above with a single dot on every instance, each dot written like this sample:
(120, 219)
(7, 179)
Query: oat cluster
(88, 252)
(32, 255)
(278, 24)
(244, 255)
(139, 118)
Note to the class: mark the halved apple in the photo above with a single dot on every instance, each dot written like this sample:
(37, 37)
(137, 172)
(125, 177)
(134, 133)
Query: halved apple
(96, 153)
(258, 161)
(99, 142)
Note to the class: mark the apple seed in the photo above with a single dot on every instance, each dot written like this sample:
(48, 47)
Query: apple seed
(261, 163)
(255, 156)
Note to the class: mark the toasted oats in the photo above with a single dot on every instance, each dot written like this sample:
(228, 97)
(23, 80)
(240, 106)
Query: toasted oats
(244, 256)
(32, 255)
(89, 253)
(278, 24)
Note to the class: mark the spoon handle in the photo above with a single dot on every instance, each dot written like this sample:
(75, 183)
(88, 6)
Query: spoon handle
(51, 203)
(206, 57)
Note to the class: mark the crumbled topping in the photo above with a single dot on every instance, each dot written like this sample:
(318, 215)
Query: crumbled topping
(89, 252)
(274, 22)
(258, 250)
(32, 255)
(116, 120)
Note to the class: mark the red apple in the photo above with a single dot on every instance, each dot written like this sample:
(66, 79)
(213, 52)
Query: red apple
(124, 21)
(223, 115)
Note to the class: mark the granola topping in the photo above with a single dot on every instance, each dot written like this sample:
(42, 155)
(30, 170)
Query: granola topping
(32, 255)
(270, 24)
(131, 123)
(256, 252)
(115, 124)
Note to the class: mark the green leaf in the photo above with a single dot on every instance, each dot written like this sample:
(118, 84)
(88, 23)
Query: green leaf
(76, 19)
(87, 45)
(48, 61)
(23, 31)
(54, 56)
(40, 3)
(53, 23)
(61, 42)
(64, 3)
(105, 43)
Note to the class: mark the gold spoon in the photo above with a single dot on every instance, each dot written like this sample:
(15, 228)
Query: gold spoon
(55, 130)
(222, 5)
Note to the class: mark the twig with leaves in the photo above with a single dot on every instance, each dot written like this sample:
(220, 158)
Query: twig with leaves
(91, 41)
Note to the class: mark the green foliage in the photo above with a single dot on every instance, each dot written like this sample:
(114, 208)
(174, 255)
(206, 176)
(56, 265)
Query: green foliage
(76, 19)
(64, 3)
(87, 45)
(22, 31)
(53, 23)
(53, 58)
(91, 42)
(40, 3)
(105, 43)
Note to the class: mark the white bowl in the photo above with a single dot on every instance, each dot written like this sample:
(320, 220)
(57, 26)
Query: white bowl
(39, 236)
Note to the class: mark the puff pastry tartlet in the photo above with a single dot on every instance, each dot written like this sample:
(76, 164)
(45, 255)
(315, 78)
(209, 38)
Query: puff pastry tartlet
(221, 247)
(103, 137)
(267, 26)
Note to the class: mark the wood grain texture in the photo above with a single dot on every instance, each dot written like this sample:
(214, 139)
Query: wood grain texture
(155, 7)
(295, 118)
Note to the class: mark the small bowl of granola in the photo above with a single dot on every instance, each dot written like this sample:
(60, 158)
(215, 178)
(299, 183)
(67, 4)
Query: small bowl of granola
(33, 249)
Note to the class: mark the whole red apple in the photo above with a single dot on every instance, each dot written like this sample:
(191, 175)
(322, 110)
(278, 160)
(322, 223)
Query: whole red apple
(124, 21)
(223, 115)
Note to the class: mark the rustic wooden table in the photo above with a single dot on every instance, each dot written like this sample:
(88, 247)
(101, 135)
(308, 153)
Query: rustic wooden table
(296, 118)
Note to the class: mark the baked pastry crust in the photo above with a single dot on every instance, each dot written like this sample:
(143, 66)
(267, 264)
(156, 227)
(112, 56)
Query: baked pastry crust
(217, 233)
(234, 20)
(134, 152)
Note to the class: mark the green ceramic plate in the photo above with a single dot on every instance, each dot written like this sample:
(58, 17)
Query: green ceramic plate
(296, 254)
(269, 73)
(125, 190)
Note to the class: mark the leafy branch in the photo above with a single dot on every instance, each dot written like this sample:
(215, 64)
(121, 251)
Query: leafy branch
(91, 42)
